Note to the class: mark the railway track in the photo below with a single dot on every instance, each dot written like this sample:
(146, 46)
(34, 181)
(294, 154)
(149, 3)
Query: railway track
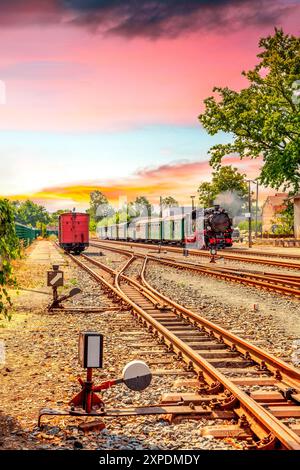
(222, 361)
(227, 256)
(281, 283)
(265, 254)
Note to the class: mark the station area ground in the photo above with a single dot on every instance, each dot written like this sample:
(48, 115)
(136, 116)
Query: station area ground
(39, 367)
(39, 356)
(45, 253)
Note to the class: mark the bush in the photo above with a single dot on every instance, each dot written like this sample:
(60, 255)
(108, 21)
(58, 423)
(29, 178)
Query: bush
(9, 250)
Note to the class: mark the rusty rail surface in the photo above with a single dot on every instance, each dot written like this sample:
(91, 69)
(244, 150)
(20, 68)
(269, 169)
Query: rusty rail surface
(270, 432)
(195, 252)
(281, 283)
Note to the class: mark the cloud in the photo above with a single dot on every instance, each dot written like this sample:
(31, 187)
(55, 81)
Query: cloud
(146, 18)
(180, 180)
(44, 70)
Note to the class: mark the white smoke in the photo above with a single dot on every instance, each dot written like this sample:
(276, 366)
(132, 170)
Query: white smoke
(231, 202)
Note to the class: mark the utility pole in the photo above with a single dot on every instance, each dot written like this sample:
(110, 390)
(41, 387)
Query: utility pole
(160, 216)
(256, 209)
(193, 204)
(249, 214)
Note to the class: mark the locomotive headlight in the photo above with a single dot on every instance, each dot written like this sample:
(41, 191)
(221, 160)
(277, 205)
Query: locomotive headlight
(208, 227)
(213, 251)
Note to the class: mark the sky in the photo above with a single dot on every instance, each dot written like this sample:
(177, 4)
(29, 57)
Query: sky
(105, 94)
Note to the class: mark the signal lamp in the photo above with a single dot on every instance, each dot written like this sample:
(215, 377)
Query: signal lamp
(90, 349)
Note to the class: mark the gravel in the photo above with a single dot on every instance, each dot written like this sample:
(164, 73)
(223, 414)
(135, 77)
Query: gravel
(275, 325)
(41, 370)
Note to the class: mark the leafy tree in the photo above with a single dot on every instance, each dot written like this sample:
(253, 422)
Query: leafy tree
(285, 220)
(169, 201)
(264, 118)
(226, 178)
(55, 216)
(206, 194)
(9, 250)
(99, 207)
(29, 213)
(142, 206)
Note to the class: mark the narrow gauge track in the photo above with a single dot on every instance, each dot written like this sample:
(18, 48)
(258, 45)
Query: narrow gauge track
(244, 259)
(281, 283)
(265, 254)
(211, 351)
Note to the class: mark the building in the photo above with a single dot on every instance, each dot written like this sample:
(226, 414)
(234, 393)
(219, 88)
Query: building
(296, 201)
(271, 208)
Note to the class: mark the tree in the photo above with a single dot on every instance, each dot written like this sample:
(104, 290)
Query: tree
(206, 193)
(142, 206)
(285, 220)
(55, 216)
(264, 118)
(9, 250)
(225, 179)
(99, 207)
(169, 201)
(29, 213)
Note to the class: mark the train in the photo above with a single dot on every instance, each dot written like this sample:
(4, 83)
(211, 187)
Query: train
(73, 232)
(206, 229)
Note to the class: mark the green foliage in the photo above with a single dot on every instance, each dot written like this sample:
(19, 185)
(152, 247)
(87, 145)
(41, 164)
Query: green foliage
(225, 178)
(99, 206)
(142, 206)
(29, 213)
(92, 225)
(285, 220)
(169, 201)
(244, 225)
(264, 118)
(9, 250)
(116, 218)
(55, 216)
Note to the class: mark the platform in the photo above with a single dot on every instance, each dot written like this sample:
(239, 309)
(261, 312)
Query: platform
(45, 252)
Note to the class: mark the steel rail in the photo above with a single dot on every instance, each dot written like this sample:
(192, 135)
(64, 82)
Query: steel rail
(266, 254)
(255, 280)
(261, 417)
(281, 276)
(270, 281)
(276, 365)
(291, 374)
(195, 252)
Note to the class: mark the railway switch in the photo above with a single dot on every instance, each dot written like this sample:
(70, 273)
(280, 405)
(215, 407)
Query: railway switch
(213, 254)
(136, 375)
(55, 279)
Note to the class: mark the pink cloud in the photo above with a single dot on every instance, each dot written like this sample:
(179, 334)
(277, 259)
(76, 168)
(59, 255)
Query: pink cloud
(110, 84)
(179, 180)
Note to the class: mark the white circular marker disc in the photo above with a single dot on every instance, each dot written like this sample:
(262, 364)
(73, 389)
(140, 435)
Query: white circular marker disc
(137, 375)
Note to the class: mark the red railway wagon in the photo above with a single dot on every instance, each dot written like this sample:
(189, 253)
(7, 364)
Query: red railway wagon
(73, 232)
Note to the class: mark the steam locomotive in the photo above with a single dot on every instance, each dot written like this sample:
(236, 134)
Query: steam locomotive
(208, 228)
